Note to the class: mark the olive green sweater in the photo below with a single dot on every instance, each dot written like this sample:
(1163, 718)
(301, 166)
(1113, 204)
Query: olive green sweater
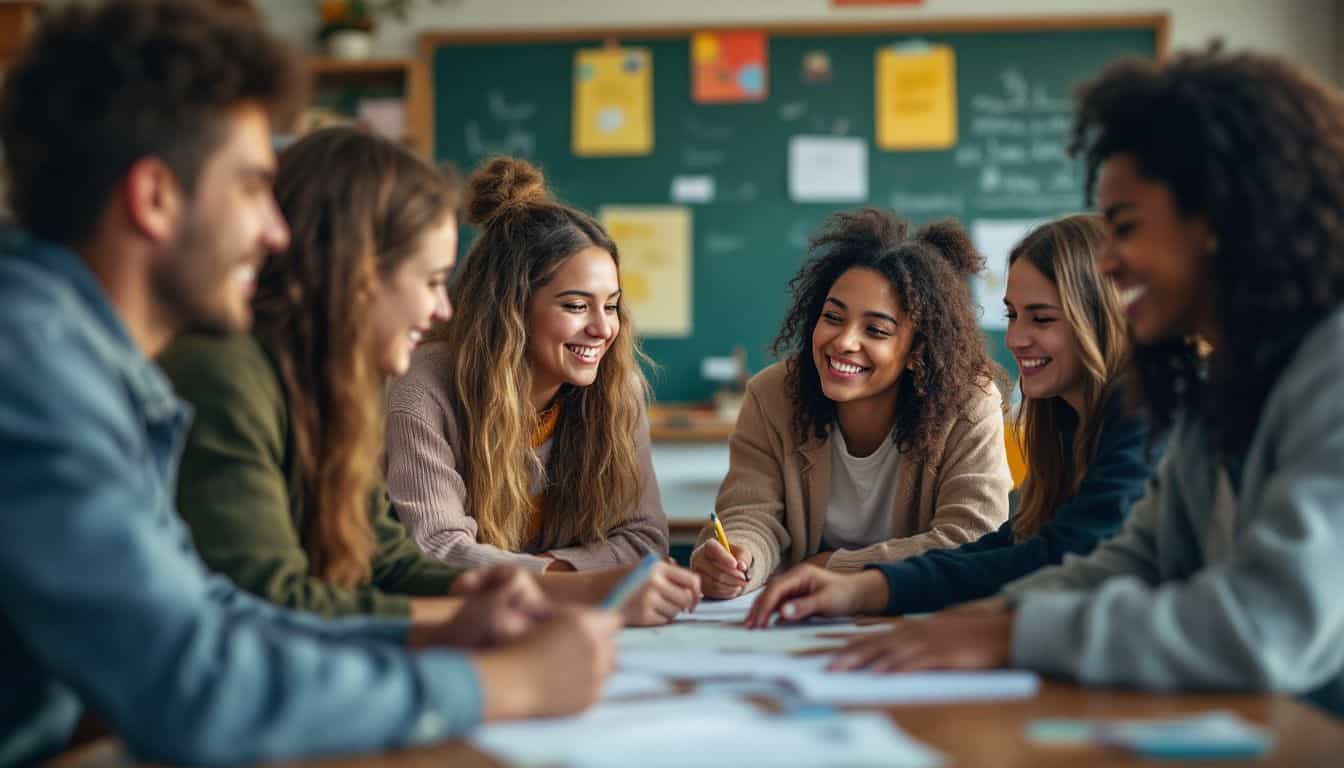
(240, 494)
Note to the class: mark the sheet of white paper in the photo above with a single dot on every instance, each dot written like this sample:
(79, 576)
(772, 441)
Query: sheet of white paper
(725, 732)
(734, 610)
(692, 189)
(857, 739)
(828, 169)
(553, 741)
(995, 238)
(702, 636)
(867, 688)
(710, 665)
(623, 684)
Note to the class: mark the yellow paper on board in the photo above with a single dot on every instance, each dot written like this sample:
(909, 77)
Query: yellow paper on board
(655, 247)
(916, 98)
(613, 102)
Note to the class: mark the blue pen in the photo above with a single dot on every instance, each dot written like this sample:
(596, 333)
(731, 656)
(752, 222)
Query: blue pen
(632, 581)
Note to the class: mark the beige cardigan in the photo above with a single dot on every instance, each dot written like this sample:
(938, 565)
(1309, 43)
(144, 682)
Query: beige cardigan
(773, 500)
(424, 481)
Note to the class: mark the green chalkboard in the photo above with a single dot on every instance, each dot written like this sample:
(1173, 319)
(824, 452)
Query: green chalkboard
(513, 95)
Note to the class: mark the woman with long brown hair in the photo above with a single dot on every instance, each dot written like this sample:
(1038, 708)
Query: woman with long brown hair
(280, 478)
(519, 435)
(1086, 455)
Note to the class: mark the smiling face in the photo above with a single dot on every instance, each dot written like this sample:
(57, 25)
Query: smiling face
(409, 299)
(1159, 259)
(572, 321)
(209, 272)
(1041, 339)
(861, 342)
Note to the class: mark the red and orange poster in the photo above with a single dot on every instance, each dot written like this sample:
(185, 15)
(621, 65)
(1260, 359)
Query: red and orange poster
(728, 67)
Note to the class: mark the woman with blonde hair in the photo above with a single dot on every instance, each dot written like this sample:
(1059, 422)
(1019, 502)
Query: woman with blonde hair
(1086, 455)
(520, 435)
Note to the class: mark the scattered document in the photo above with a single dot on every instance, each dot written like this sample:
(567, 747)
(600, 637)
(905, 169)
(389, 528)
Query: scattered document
(828, 169)
(625, 684)
(726, 732)
(728, 636)
(868, 688)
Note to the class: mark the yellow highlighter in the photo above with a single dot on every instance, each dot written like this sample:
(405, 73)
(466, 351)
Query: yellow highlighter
(723, 538)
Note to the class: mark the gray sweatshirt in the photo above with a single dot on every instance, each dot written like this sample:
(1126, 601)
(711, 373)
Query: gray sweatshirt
(1211, 587)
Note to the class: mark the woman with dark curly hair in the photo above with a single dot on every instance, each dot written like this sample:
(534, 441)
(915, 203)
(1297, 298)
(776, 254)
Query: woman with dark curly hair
(880, 436)
(1221, 179)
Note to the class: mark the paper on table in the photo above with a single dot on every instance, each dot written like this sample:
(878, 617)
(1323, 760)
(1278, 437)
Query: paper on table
(710, 665)
(734, 610)
(702, 636)
(625, 683)
(556, 740)
(868, 688)
(726, 732)
(851, 739)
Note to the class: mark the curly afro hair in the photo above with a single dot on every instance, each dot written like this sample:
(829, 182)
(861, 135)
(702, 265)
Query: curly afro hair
(928, 271)
(1256, 146)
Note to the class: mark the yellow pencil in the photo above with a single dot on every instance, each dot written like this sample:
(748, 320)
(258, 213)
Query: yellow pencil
(722, 536)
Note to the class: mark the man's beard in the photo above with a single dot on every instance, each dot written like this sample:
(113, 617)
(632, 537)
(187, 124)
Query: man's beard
(189, 287)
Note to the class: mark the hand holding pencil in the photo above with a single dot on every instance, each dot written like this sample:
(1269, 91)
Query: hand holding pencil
(724, 568)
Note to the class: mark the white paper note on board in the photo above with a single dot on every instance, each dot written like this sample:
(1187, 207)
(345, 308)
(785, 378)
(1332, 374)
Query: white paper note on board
(995, 238)
(692, 189)
(828, 169)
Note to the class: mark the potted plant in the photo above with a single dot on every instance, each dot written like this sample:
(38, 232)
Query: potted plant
(346, 29)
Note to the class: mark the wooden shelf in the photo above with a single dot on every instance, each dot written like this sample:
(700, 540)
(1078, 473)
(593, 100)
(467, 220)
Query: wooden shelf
(408, 75)
(323, 65)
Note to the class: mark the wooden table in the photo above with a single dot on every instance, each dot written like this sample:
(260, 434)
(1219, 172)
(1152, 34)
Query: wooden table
(973, 734)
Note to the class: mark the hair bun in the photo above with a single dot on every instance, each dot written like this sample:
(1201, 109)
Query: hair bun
(952, 241)
(502, 184)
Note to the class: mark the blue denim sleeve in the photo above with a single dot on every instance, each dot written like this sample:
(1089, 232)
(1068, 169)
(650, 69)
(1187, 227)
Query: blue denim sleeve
(100, 587)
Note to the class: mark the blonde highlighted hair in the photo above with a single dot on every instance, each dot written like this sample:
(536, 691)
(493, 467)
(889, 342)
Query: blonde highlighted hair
(592, 480)
(1065, 252)
(357, 206)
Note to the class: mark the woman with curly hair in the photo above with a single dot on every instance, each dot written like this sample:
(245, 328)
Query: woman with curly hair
(1086, 451)
(519, 435)
(1221, 179)
(880, 436)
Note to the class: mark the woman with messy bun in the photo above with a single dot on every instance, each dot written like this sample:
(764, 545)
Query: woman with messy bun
(520, 434)
(880, 435)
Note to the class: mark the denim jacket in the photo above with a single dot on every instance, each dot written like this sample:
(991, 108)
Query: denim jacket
(105, 605)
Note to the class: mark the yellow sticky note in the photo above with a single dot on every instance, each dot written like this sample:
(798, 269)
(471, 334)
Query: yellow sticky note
(655, 246)
(916, 98)
(613, 102)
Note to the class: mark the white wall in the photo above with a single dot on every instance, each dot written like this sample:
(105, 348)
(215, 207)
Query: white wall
(1309, 31)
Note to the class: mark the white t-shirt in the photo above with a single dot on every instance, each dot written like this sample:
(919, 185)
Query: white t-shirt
(858, 511)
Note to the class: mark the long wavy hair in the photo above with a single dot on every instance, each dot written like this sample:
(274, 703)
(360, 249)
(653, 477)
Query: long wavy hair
(592, 480)
(929, 272)
(1065, 252)
(357, 207)
(1255, 145)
